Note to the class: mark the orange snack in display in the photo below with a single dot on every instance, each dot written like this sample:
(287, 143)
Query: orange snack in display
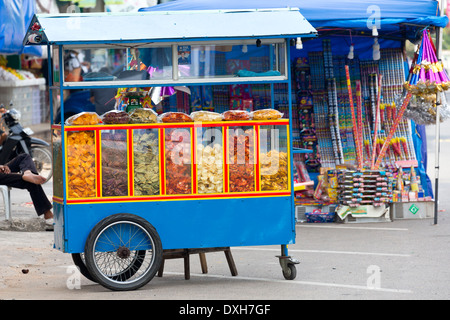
(235, 115)
(178, 161)
(84, 118)
(241, 162)
(81, 164)
(175, 117)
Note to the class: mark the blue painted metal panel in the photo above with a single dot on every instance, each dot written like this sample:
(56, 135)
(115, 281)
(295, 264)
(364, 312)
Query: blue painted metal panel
(192, 223)
(59, 233)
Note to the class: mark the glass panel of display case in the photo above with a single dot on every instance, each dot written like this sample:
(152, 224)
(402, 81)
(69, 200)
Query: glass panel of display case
(178, 162)
(57, 163)
(241, 159)
(81, 169)
(117, 64)
(273, 158)
(146, 162)
(55, 65)
(246, 59)
(114, 163)
(209, 160)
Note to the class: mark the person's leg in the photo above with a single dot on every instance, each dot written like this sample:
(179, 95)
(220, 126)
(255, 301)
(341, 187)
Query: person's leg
(24, 163)
(40, 201)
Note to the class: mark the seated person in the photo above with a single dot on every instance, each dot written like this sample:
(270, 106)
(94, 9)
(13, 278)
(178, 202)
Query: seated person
(21, 173)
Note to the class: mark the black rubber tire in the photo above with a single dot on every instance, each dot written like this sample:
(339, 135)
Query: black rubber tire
(290, 272)
(79, 262)
(121, 281)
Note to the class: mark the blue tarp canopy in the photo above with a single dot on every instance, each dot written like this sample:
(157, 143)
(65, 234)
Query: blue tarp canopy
(395, 20)
(388, 15)
(15, 16)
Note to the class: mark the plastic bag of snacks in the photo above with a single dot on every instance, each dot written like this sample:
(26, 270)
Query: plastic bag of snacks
(266, 114)
(233, 115)
(206, 116)
(143, 115)
(84, 118)
(115, 117)
(175, 117)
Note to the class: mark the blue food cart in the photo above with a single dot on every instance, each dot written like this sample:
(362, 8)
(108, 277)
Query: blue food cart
(126, 192)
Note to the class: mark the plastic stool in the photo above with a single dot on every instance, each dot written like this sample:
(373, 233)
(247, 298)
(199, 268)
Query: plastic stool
(6, 192)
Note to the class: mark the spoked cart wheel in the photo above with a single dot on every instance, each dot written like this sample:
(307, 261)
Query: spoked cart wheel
(123, 252)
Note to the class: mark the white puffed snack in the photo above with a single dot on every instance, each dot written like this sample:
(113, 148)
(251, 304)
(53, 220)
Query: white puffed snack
(209, 168)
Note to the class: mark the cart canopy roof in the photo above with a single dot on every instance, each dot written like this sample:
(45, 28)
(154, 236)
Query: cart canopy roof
(169, 26)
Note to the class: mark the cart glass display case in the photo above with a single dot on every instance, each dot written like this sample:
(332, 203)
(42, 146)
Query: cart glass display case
(113, 163)
(193, 62)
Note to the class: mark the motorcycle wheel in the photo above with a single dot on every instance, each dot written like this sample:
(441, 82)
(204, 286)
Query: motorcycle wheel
(43, 160)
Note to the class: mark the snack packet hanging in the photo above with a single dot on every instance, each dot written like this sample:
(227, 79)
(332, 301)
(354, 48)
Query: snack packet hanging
(115, 117)
(143, 115)
(233, 115)
(266, 114)
(84, 118)
(175, 117)
(206, 116)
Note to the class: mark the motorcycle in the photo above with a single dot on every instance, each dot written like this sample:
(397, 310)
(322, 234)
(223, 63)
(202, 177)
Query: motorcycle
(19, 140)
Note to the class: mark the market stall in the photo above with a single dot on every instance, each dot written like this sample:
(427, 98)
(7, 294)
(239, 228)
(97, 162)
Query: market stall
(352, 109)
(19, 84)
(171, 180)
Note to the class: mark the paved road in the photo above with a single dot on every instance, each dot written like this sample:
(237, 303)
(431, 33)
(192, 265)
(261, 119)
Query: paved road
(404, 259)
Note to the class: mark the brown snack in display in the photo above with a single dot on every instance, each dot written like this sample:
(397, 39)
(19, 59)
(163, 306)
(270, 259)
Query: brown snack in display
(236, 115)
(175, 117)
(114, 164)
(143, 115)
(115, 117)
(266, 114)
(83, 118)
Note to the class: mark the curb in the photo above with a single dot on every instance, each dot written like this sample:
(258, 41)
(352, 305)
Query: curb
(23, 225)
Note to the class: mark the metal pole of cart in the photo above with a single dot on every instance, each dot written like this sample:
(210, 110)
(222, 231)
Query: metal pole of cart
(291, 155)
(61, 98)
(437, 141)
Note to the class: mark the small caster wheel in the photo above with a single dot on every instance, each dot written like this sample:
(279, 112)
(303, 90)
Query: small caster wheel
(290, 271)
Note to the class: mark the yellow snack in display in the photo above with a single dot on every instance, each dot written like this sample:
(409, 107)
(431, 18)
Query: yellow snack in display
(274, 170)
(206, 116)
(81, 164)
(266, 114)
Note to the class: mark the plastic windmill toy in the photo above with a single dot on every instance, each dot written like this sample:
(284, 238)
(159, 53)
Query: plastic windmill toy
(429, 75)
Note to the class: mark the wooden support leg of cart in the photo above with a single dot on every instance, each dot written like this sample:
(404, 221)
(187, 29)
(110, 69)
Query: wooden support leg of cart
(184, 253)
